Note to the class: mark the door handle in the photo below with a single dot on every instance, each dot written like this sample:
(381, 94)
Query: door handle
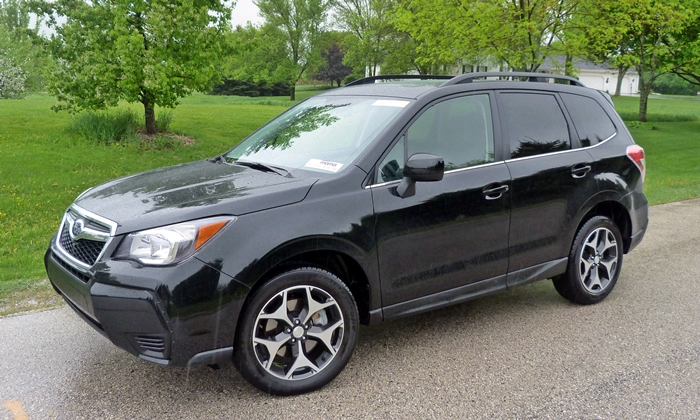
(494, 191)
(579, 171)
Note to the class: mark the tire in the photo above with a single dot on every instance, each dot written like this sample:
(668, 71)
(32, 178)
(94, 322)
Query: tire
(594, 264)
(324, 336)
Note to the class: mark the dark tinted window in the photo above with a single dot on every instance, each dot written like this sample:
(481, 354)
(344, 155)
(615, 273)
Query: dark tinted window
(460, 130)
(535, 123)
(592, 123)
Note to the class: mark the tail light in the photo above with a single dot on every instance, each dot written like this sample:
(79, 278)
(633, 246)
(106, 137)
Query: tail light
(636, 155)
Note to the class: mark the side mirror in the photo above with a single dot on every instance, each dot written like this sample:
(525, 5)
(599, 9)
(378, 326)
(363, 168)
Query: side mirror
(420, 167)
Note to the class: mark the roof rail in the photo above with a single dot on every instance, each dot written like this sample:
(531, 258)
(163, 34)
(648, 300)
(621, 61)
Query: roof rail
(531, 77)
(372, 79)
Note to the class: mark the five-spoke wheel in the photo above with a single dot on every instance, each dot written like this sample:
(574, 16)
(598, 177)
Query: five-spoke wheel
(298, 332)
(594, 262)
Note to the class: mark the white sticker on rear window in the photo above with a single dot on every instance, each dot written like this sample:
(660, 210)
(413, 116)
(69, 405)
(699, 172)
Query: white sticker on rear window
(324, 164)
(387, 102)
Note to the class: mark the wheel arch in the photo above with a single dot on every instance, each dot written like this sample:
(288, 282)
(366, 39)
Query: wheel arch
(617, 212)
(343, 259)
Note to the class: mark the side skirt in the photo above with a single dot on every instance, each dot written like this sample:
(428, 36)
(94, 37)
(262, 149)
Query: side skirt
(472, 291)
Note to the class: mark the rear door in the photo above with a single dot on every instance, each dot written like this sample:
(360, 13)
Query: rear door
(551, 178)
(452, 232)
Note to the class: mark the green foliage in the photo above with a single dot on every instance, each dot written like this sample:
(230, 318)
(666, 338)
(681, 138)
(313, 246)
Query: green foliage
(369, 21)
(649, 35)
(152, 52)
(639, 125)
(163, 120)
(301, 22)
(519, 34)
(105, 127)
(257, 55)
(250, 88)
(21, 57)
(672, 84)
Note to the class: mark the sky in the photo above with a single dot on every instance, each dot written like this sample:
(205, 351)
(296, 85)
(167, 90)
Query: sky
(245, 11)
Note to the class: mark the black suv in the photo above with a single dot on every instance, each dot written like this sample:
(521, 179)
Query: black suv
(382, 199)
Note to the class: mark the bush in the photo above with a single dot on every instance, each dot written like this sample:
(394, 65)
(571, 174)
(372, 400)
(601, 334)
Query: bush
(107, 128)
(249, 88)
(163, 120)
(122, 125)
(12, 80)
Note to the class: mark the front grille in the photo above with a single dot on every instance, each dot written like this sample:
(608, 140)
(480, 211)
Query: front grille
(79, 274)
(151, 343)
(83, 250)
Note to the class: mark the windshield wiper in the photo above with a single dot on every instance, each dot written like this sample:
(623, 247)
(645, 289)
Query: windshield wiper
(265, 168)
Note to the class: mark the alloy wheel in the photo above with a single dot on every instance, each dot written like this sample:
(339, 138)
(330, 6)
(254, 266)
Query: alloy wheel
(298, 332)
(598, 260)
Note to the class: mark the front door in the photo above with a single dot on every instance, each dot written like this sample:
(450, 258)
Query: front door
(452, 232)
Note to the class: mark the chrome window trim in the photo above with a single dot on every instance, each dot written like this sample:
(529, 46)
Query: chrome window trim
(90, 234)
(561, 152)
(446, 172)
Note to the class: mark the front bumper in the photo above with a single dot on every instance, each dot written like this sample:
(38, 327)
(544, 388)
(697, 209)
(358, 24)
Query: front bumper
(180, 315)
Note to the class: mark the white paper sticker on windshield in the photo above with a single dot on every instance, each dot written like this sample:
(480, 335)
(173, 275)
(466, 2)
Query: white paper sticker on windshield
(387, 102)
(324, 164)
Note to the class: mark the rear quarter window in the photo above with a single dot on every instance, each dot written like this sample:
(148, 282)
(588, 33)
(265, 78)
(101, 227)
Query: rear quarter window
(592, 123)
(536, 124)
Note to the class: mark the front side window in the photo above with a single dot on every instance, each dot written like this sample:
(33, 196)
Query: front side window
(535, 123)
(460, 130)
(321, 134)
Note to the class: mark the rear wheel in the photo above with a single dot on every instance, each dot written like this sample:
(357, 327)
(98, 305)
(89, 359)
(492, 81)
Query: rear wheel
(594, 264)
(298, 332)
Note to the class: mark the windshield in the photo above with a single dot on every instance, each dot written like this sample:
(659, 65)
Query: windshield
(321, 134)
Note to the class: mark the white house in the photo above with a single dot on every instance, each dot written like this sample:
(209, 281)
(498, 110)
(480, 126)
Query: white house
(597, 76)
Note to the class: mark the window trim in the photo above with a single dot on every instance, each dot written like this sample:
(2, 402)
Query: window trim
(396, 181)
(562, 151)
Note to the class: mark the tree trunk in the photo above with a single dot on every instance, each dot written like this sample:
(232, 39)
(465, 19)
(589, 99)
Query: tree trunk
(644, 91)
(292, 92)
(149, 108)
(569, 65)
(621, 71)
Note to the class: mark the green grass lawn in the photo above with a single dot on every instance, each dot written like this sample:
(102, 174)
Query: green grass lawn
(43, 167)
(672, 148)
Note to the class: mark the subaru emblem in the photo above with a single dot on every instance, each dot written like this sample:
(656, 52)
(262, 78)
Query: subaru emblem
(77, 228)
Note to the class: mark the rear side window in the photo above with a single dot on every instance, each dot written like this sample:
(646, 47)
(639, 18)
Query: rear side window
(592, 123)
(535, 123)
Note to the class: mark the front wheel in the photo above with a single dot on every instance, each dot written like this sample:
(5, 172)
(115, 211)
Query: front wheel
(594, 264)
(297, 333)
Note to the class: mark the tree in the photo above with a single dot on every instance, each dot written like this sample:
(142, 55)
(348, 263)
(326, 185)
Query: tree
(688, 58)
(153, 52)
(257, 54)
(369, 21)
(333, 70)
(302, 22)
(653, 31)
(519, 33)
(20, 47)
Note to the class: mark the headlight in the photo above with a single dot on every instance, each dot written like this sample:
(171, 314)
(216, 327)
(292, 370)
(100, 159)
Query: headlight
(170, 244)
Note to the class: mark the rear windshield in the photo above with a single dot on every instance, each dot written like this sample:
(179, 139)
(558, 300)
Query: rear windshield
(322, 134)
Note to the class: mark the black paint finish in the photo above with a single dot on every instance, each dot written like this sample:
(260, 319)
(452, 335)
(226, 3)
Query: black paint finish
(476, 231)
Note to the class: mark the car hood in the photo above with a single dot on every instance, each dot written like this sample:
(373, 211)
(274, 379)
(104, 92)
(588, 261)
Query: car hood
(190, 191)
